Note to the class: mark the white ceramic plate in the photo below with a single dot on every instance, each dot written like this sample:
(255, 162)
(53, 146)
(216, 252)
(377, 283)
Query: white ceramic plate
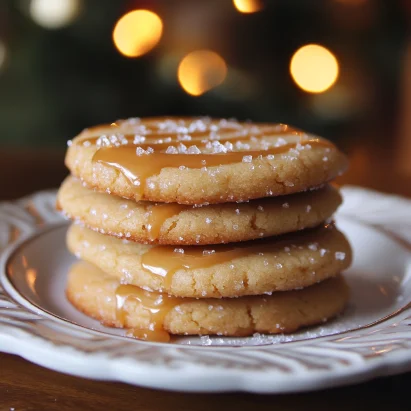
(372, 338)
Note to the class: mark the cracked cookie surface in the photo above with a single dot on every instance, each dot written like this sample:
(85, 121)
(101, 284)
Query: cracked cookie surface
(145, 222)
(250, 268)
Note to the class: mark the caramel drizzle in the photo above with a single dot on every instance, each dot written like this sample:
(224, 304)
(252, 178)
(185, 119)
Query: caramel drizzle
(161, 140)
(158, 305)
(158, 214)
(118, 150)
(175, 131)
(166, 261)
(137, 169)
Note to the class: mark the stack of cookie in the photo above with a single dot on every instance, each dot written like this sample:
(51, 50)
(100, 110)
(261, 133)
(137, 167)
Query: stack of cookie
(200, 226)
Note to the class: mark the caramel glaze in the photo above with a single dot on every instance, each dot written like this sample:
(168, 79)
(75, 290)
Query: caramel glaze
(157, 304)
(137, 169)
(158, 214)
(167, 260)
(119, 143)
(178, 129)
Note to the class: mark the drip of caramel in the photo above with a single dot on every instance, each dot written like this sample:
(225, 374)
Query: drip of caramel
(157, 304)
(158, 214)
(167, 260)
(156, 335)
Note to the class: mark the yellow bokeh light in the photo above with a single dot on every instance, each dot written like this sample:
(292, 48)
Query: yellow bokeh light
(314, 68)
(53, 14)
(248, 6)
(137, 32)
(200, 71)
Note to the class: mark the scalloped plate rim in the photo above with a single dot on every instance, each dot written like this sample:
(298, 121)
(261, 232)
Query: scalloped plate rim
(195, 377)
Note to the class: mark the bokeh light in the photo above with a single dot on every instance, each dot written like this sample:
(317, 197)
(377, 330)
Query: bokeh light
(314, 68)
(137, 32)
(54, 14)
(248, 6)
(200, 71)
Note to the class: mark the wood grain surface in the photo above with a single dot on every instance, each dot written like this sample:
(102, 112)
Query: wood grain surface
(25, 386)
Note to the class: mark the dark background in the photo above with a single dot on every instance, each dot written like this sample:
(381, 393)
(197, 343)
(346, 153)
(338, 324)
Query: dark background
(60, 75)
(56, 81)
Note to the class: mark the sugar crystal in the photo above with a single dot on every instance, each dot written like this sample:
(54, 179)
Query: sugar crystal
(208, 252)
(171, 150)
(140, 151)
(193, 150)
(313, 246)
(339, 255)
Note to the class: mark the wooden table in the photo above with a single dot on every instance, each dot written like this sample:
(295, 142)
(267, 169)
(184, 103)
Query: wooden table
(25, 386)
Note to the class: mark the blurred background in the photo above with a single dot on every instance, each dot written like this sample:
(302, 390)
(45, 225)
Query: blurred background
(338, 68)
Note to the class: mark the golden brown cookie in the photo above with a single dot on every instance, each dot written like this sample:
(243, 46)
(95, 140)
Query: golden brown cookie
(250, 268)
(201, 160)
(175, 224)
(101, 296)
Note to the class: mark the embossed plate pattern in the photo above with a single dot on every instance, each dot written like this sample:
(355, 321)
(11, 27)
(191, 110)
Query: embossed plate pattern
(378, 225)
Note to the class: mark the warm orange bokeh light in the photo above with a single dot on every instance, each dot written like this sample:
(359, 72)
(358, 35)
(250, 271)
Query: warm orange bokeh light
(314, 68)
(248, 6)
(137, 32)
(200, 71)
